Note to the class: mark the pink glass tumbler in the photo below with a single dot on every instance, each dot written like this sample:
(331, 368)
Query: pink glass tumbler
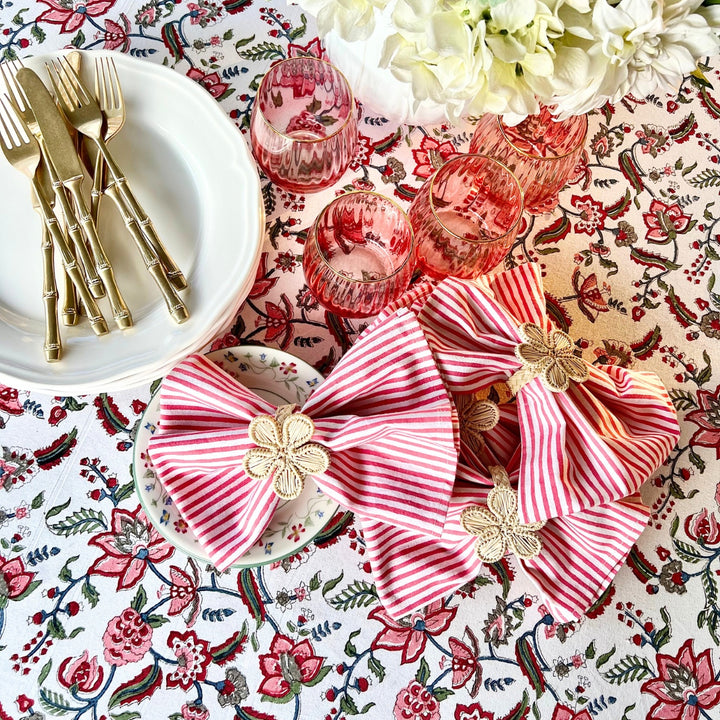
(303, 126)
(358, 254)
(466, 217)
(541, 151)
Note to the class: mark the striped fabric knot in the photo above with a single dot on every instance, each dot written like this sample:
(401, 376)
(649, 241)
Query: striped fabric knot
(549, 356)
(284, 452)
(497, 525)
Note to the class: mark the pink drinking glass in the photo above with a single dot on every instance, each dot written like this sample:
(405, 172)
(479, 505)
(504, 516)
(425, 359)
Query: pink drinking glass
(358, 254)
(303, 126)
(541, 151)
(466, 217)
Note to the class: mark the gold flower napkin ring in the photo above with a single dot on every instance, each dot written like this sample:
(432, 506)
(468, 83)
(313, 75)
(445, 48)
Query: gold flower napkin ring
(283, 450)
(497, 525)
(550, 357)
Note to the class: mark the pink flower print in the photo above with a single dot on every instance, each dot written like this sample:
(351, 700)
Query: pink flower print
(71, 15)
(592, 214)
(415, 702)
(115, 35)
(183, 593)
(82, 671)
(193, 659)
(197, 13)
(295, 532)
(127, 638)
(287, 666)
(131, 543)
(14, 579)
(664, 222)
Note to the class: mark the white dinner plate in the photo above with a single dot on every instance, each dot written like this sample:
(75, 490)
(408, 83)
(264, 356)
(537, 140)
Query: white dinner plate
(191, 170)
(280, 378)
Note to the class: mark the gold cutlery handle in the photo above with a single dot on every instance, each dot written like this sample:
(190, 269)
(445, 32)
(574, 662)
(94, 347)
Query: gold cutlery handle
(122, 316)
(174, 274)
(93, 280)
(176, 307)
(70, 312)
(52, 347)
(97, 321)
(97, 187)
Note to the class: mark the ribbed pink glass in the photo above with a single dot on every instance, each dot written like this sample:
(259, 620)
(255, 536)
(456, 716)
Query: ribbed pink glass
(303, 126)
(541, 151)
(358, 254)
(466, 217)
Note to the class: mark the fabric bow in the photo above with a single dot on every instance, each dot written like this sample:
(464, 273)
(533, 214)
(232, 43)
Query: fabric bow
(589, 435)
(378, 437)
(569, 559)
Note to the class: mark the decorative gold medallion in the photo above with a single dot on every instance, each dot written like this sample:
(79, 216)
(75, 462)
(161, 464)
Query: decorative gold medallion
(283, 450)
(548, 356)
(497, 525)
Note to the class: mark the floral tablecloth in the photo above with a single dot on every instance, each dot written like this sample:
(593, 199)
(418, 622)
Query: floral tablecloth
(101, 618)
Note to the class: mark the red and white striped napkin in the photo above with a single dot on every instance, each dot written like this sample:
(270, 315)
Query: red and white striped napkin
(383, 414)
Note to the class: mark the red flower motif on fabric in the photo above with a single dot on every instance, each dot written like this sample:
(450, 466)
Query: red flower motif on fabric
(278, 324)
(685, 685)
(9, 401)
(664, 222)
(287, 666)
(115, 35)
(183, 593)
(72, 15)
(211, 82)
(590, 298)
(14, 579)
(409, 634)
(464, 664)
(312, 49)
(128, 547)
(193, 659)
(363, 153)
(703, 526)
(708, 418)
(127, 638)
(82, 671)
(263, 284)
(416, 702)
(431, 155)
(563, 712)
(592, 214)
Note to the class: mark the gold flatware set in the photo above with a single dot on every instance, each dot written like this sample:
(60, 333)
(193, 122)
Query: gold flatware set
(36, 137)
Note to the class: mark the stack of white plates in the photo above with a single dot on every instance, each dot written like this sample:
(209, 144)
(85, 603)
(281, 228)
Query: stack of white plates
(192, 171)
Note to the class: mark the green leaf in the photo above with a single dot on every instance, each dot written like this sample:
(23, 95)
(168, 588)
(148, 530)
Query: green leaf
(423, 673)
(79, 40)
(244, 41)
(90, 593)
(359, 593)
(314, 583)
(319, 677)
(38, 33)
(441, 693)
(44, 672)
(144, 684)
(350, 649)
(227, 35)
(85, 520)
(590, 651)
(155, 621)
(52, 512)
(605, 657)
(30, 588)
(138, 602)
(687, 552)
(710, 587)
(331, 584)
(18, 19)
(38, 500)
(76, 632)
(56, 630)
(348, 706)
(262, 51)
(682, 399)
(631, 668)
(627, 710)
(131, 715)
(124, 491)
(376, 668)
(55, 703)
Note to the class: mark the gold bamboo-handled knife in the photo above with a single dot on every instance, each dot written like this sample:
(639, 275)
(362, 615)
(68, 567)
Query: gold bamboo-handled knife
(64, 160)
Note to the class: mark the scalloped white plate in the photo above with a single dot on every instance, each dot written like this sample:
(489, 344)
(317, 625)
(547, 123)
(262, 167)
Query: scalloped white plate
(280, 378)
(192, 171)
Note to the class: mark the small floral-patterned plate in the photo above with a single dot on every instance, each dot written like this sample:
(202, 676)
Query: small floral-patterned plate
(280, 378)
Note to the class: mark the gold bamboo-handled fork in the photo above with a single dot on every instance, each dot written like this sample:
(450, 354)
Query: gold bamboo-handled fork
(84, 113)
(23, 152)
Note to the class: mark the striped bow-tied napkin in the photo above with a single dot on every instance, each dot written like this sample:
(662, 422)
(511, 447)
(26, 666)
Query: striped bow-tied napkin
(378, 436)
(586, 438)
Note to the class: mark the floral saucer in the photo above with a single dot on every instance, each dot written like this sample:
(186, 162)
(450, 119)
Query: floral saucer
(280, 378)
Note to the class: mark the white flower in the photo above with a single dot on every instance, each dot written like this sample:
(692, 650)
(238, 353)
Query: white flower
(351, 19)
(636, 47)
